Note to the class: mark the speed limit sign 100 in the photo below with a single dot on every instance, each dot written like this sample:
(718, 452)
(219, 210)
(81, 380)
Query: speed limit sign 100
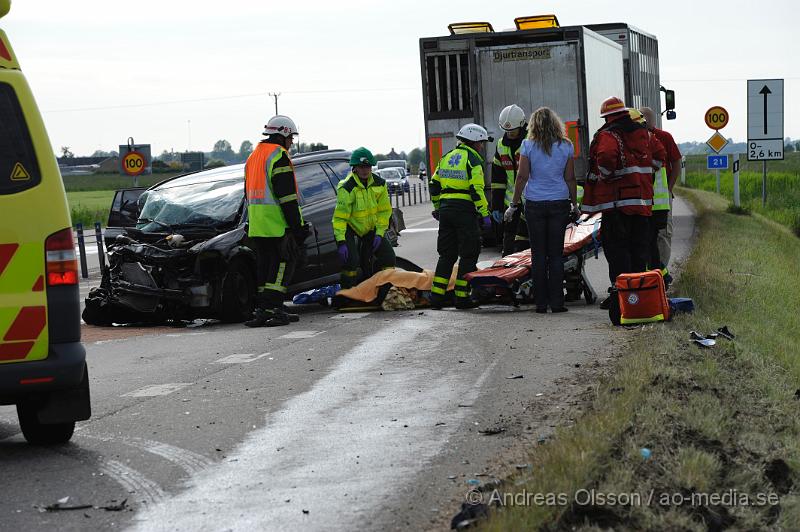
(133, 163)
(717, 117)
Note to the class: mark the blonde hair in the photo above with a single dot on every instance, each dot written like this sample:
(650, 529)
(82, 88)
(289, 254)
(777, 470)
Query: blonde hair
(546, 128)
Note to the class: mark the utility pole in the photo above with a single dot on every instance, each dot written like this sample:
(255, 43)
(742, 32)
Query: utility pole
(275, 96)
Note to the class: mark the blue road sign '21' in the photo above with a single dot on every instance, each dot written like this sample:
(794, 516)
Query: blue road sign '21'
(717, 162)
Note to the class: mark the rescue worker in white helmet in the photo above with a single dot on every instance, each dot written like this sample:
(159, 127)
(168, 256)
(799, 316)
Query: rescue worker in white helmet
(504, 173)
(275, 223)
(456, 190)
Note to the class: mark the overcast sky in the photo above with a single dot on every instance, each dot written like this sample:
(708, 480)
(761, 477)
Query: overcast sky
(183, 74)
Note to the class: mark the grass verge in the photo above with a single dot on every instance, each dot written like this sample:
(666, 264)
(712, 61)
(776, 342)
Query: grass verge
(721, 424)
(90, 206)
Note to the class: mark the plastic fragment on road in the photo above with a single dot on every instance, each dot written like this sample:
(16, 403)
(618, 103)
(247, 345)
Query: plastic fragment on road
(645, 453)
(726, 333)
(515, 377)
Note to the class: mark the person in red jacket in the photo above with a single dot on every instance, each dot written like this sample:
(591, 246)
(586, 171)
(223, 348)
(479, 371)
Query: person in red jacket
(620, 185)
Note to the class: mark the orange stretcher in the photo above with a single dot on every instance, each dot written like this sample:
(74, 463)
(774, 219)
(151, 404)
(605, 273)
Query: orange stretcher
(508, 279)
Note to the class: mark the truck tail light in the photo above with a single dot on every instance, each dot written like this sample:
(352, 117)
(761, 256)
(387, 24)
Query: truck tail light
(62, 262)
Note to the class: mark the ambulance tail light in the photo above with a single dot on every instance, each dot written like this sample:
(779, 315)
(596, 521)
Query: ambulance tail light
(537, 22)
(62, 262)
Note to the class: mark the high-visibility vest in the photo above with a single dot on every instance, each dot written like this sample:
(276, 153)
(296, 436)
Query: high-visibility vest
(660, 191)
(363, 208)
(510, 163)
(263, 208)
(460, 177)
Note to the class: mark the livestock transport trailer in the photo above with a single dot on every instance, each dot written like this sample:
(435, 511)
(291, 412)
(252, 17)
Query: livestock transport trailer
(473, 73)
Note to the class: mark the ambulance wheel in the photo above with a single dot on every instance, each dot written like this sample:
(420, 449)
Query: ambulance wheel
(37, 433)
(238, 293)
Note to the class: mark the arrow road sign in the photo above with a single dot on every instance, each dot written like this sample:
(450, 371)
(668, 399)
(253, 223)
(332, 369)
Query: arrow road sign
(764, 109)
(765, 91)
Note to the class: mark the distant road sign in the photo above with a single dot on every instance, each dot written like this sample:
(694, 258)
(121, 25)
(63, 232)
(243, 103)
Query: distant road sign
(717, 142)
(717, 117)
(765, 150)
(764, 119)
(717, 162)
(133, 163)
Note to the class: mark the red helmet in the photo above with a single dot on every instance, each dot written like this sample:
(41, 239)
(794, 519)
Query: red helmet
(611, 106)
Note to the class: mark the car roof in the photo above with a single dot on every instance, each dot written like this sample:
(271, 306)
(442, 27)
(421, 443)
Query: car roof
(236, 171)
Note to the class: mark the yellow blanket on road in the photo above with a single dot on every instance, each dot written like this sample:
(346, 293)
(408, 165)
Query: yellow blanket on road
(367, 290)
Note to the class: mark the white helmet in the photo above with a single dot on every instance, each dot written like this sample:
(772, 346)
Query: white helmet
(473, 133)
(512, 117)
(280, 125)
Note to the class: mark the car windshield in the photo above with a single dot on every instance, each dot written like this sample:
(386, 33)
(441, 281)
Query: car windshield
(209, 204)
(391, 175)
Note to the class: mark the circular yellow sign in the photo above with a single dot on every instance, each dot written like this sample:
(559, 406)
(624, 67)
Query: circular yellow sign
(717, 117)
(133, 163)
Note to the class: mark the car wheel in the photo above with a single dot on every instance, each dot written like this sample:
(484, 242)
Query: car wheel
(37, 433)
(238, 293)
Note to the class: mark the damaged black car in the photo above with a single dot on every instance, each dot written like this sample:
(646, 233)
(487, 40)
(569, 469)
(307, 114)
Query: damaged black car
(179, 250)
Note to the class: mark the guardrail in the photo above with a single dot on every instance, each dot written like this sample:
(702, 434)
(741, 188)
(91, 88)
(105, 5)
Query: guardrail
(80, 244)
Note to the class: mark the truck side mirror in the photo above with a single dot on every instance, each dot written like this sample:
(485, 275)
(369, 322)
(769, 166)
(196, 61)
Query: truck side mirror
(669, 99)
(671, 115)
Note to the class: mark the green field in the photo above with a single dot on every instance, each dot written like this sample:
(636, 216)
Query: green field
(783, 186)
(84, 183)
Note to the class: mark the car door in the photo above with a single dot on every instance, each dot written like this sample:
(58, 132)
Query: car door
(329, 258)
(317, 199)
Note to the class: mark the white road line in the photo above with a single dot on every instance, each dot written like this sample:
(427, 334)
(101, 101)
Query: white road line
(338, 450)
(420, 230)
(156, 390)
(133, 481)
(240, 358)
(421, 222)
(350, 316)
(301, 334)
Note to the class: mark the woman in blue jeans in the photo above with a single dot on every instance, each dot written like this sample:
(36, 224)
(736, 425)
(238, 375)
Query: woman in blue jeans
(547, 175)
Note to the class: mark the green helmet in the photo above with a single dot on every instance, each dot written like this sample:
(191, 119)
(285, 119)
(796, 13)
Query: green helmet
(362, 156)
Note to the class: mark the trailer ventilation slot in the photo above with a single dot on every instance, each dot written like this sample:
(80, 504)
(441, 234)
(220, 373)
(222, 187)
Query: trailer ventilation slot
(448, 90)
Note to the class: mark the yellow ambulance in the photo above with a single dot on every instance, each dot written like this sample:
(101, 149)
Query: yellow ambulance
(42, 361)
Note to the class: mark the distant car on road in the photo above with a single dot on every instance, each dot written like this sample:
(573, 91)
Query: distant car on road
(395, 178)
(182, 251)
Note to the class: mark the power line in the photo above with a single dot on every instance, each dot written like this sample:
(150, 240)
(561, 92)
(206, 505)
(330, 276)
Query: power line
(230, 97)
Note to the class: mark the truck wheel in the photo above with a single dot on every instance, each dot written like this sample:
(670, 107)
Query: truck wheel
(37, 433)
(238, 293)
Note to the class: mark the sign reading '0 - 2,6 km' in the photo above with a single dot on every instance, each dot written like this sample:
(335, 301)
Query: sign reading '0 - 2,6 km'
(717, 117)
(133, 163)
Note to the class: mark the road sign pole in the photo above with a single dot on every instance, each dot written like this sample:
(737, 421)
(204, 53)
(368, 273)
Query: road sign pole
(764, 186)
(716, 174)
(736, 201)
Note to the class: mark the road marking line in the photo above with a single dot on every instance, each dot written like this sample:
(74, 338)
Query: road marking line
(301, 334)
(419, 230)
(156, 390)
(350, 316)
(133, 481)
(240, 358)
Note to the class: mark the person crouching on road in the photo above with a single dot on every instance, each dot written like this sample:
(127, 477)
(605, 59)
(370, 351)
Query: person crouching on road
(547, 175)
(456, 191)
(360, 220)
(275, 223)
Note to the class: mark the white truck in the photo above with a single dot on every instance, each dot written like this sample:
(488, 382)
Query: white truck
(471, 74)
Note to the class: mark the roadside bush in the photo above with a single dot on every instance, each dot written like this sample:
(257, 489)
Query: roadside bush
(87, 216)
(215, 163)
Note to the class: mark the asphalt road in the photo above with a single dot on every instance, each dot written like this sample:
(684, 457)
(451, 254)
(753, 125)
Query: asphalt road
(342, 421)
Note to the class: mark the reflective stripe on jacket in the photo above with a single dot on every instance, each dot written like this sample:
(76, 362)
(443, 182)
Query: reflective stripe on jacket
(621, 169)
(459, 177)
(362, 208)
(504, 171)
(269, 187)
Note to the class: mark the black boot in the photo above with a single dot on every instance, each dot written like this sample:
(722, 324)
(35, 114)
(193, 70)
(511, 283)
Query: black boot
(294, 318)
(259, 319)
(465, 303)
(279, 318)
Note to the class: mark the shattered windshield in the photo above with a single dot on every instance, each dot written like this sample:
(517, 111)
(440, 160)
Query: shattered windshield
(210, 204)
